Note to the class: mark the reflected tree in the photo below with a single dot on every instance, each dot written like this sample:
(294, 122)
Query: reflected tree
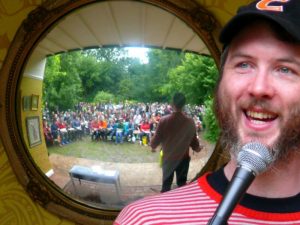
(81, 75)
(62, 86)
(196, 77)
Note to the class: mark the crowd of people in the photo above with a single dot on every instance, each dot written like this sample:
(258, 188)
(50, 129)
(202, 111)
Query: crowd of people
(115, 123)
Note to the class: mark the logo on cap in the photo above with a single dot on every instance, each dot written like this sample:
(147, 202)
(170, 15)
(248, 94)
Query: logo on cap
(264, 5)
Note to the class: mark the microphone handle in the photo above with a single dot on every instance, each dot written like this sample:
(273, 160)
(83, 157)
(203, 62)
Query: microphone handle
(241, 180)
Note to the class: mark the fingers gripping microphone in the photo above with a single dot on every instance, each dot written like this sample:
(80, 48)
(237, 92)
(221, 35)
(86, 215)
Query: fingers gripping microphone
(253, 159)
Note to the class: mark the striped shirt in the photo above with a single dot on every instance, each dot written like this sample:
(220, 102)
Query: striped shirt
(196, 203)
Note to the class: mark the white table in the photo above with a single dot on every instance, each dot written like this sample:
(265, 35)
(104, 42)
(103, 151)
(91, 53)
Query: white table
(98, 176)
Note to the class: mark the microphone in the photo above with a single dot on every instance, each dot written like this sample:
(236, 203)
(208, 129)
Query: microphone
(253, 159)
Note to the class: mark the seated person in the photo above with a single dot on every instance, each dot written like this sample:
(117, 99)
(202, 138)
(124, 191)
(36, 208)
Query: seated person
(47, 133)
(119, 131)
(63, 131)
(113, 128)
(76, 125)
(54, 130)
(95, 129)
(109, 128)
(145, 131)
(103, 129)
(128, 129)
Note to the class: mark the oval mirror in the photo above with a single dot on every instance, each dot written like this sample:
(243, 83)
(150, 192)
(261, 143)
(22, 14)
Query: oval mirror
(90, 189)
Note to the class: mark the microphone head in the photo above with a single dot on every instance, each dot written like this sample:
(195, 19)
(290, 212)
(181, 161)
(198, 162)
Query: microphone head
(255, 157)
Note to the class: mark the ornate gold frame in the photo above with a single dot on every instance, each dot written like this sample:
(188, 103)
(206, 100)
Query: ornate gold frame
(32, 30)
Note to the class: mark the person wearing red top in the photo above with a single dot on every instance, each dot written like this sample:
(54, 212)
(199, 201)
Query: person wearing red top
(95, 129)
(144, 131)
(63, 131)
(257, 100)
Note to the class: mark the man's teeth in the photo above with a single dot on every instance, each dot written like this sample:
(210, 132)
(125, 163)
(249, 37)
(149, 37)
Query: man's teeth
(259, 115)
(258, 122)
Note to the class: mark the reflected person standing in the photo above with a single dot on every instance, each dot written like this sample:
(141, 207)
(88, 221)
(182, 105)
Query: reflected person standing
(176, 133)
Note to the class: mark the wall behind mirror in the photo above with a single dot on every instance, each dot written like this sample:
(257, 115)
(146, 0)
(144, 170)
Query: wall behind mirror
(29, 96)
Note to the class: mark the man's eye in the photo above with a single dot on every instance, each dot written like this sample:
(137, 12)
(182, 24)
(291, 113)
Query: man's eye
(285, 70)
(243, 65)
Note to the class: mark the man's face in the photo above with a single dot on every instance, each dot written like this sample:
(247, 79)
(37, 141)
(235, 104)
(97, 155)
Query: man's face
(259, 94)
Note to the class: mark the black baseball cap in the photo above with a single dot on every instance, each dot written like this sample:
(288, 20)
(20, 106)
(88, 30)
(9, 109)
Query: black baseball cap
(285, 13)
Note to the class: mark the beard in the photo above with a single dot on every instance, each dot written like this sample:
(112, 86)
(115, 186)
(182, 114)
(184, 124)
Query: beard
(286, 144)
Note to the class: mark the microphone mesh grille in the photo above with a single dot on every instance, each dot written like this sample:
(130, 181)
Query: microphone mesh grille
(255, 156)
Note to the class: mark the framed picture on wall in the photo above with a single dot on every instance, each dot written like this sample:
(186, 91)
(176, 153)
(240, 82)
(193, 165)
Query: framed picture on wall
(34, 102)
(33, 130)
(26, 103)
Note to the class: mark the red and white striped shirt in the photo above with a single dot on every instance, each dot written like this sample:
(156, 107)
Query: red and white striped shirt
(195, 203)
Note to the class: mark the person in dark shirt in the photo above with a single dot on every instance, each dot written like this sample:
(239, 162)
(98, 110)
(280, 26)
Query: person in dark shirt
(175, 133)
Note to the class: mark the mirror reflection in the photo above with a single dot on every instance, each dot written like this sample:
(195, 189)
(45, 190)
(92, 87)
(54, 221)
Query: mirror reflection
(98, 103)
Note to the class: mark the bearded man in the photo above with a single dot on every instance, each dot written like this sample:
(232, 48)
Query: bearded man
(257, 100)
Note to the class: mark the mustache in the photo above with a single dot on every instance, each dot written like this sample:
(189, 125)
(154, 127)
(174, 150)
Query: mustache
(263, 104)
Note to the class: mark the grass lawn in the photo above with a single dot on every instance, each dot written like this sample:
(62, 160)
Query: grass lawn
(107, 151)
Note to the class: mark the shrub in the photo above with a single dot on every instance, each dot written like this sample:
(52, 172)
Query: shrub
(212, 131)
(104, 97)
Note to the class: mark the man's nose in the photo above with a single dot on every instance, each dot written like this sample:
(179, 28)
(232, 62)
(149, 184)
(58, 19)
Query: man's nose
(261, 85)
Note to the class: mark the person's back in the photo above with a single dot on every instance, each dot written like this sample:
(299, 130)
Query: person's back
(175, 133)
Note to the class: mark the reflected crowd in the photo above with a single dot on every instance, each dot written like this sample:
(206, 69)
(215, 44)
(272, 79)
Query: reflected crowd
(115, 123)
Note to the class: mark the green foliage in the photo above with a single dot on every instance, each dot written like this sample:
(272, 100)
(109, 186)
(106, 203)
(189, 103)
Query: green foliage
(125, 89)
(212, 130)
(195, 77)
(90, 75)
(114, 55)
(156, 75)
(101, 70)
(106, 74)
(80, 75)
(104, 97)
(62, 86)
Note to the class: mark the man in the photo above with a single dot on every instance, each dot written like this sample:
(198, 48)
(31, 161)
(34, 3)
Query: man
(176, 133)
(258, 99)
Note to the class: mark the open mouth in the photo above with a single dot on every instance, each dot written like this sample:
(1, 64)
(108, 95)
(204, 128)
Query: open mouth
(260, 117)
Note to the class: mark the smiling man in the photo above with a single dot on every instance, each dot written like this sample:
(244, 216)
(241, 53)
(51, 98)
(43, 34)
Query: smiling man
(257, 99)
